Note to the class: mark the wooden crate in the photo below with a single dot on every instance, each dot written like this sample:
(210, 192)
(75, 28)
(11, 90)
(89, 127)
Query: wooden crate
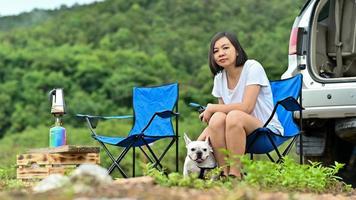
(40, 163)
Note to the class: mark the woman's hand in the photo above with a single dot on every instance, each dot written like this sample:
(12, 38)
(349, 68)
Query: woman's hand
(206, 115)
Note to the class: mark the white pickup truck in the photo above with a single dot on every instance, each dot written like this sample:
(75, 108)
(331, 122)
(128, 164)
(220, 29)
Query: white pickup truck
(323, 48)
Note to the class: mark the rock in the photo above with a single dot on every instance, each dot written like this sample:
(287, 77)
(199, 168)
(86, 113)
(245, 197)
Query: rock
(83, 179)
(98, 174)
(53, 181)
(135, 181)
(87, 176)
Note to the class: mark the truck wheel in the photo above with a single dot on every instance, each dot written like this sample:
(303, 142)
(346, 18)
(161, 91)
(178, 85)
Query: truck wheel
(336, 149)
(346, 129)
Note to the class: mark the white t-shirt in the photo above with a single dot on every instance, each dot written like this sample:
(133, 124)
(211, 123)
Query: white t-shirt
(252, 74)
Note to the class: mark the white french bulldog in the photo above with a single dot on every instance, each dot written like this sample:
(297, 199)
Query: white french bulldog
(200, 158)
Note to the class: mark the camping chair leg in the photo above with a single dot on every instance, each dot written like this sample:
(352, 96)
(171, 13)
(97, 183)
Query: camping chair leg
(166, 150)
(162, 155)
(133, 161)
(289, 147)
(115, 162)
(270, 157)
(146, 155)
(156, 162)
(275, 147)
(149, 158)
(177, 137)
(118, 160)
(177, 154)
(152, 153)
(251, 156)
(280, 160)
(301, 148)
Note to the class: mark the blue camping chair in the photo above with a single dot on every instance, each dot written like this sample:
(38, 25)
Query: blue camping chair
(285, 92)
(153, 109)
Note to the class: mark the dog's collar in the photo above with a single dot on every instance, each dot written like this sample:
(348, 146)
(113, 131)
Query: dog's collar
(202, 171)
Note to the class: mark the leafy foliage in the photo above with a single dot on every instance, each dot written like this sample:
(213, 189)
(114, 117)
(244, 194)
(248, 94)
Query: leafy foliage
(7, 180)
(291, 176)
(177, 179)
(287, 176)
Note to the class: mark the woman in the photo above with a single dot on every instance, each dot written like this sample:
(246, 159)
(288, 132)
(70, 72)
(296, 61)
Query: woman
(245, 100)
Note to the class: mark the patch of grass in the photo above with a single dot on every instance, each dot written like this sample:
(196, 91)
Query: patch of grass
(12, 184)
(8, 181)
(291, 176)
(6, 173)
(177, 179)
(287, 176)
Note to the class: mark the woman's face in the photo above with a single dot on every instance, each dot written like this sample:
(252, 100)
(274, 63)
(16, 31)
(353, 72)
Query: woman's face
(224, 53)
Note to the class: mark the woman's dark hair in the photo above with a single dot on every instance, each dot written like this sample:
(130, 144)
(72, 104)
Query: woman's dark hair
(241, 58)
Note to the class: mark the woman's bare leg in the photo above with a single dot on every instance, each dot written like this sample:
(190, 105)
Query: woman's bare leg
(216, 132)
(204, 134)
(238, 126)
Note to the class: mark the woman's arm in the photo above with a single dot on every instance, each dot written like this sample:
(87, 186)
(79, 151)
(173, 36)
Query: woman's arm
(247, 105)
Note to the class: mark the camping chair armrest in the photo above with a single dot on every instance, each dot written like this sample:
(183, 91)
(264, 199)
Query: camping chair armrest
(197, 107)
(162, 114)
(289, 103)
(104, 117)
(166, 114)
(92, 120)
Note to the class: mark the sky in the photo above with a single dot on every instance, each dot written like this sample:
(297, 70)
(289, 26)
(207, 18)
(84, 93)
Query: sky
(14, 7)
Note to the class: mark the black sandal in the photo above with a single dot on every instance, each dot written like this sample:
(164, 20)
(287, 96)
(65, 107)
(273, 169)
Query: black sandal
(222, 176)
(234, 177)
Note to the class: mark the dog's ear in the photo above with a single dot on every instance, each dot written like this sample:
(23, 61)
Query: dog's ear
(207, 140)
(186, 139)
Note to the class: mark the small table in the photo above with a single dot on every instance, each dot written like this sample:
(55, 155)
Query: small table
(40, 163)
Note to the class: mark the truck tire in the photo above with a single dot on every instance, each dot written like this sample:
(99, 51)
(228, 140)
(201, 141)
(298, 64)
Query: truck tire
(336, 149)
(346, 129)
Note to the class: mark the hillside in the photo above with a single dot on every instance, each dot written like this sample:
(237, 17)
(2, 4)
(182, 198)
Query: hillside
(98, 52)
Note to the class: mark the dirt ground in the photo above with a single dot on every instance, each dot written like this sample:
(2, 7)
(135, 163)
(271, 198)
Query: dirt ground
(144, 188)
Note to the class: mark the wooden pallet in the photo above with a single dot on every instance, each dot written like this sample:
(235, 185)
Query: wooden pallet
(40, 163)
